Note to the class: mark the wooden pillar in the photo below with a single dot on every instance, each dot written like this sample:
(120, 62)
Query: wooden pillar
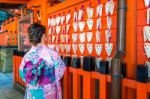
(44, 17)
(103, 87)
(87, 86)
(123, 89)
(76, 90)
(131, 47)
(66, 84)
(14, 67)
(17, 73)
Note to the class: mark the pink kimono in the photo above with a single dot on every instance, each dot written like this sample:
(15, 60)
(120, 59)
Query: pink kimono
(41, 69)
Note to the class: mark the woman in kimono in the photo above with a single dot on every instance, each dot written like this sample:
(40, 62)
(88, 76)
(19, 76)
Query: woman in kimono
(41, 67)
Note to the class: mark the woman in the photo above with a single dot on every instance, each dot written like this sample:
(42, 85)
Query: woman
(41, 68)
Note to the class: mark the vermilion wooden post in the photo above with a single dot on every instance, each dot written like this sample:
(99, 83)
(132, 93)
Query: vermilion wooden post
(69, 85)
(66, 84)
(123, 89)
(87, 85)
(103, 87)
(75, 86)
(141, 91)
(76, 90)
(92, 86)
(16, 68)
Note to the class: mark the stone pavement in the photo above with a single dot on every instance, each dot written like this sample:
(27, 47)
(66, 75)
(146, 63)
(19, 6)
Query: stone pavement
(6, 87)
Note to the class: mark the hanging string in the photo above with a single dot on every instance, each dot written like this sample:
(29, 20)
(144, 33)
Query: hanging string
(99, 27)
(75, 19)
(90, 4)
(63, 15)
(82, 8)
(68, 11)
(98, 1)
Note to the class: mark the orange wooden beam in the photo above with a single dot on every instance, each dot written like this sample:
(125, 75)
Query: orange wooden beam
(148, 87)
(32, 3)
(44, 13)
(42, 6)
(141, 91)
(15, 1)
(129, 83)
(108, 78)
(63, 5)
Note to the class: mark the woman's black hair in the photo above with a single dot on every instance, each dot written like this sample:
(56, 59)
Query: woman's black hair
(35, 32)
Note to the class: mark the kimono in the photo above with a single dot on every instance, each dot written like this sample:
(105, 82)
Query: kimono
(41, 69)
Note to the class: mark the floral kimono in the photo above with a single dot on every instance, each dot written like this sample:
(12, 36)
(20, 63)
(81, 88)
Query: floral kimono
(41, 69)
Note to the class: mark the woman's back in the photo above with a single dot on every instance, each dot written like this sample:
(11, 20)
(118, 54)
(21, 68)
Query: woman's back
(41, 69)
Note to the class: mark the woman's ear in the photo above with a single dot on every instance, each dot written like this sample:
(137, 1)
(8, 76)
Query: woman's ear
(44, 38)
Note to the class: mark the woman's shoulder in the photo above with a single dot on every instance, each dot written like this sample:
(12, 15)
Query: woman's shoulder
(30, 55)
(46, 48)
(53, 53)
